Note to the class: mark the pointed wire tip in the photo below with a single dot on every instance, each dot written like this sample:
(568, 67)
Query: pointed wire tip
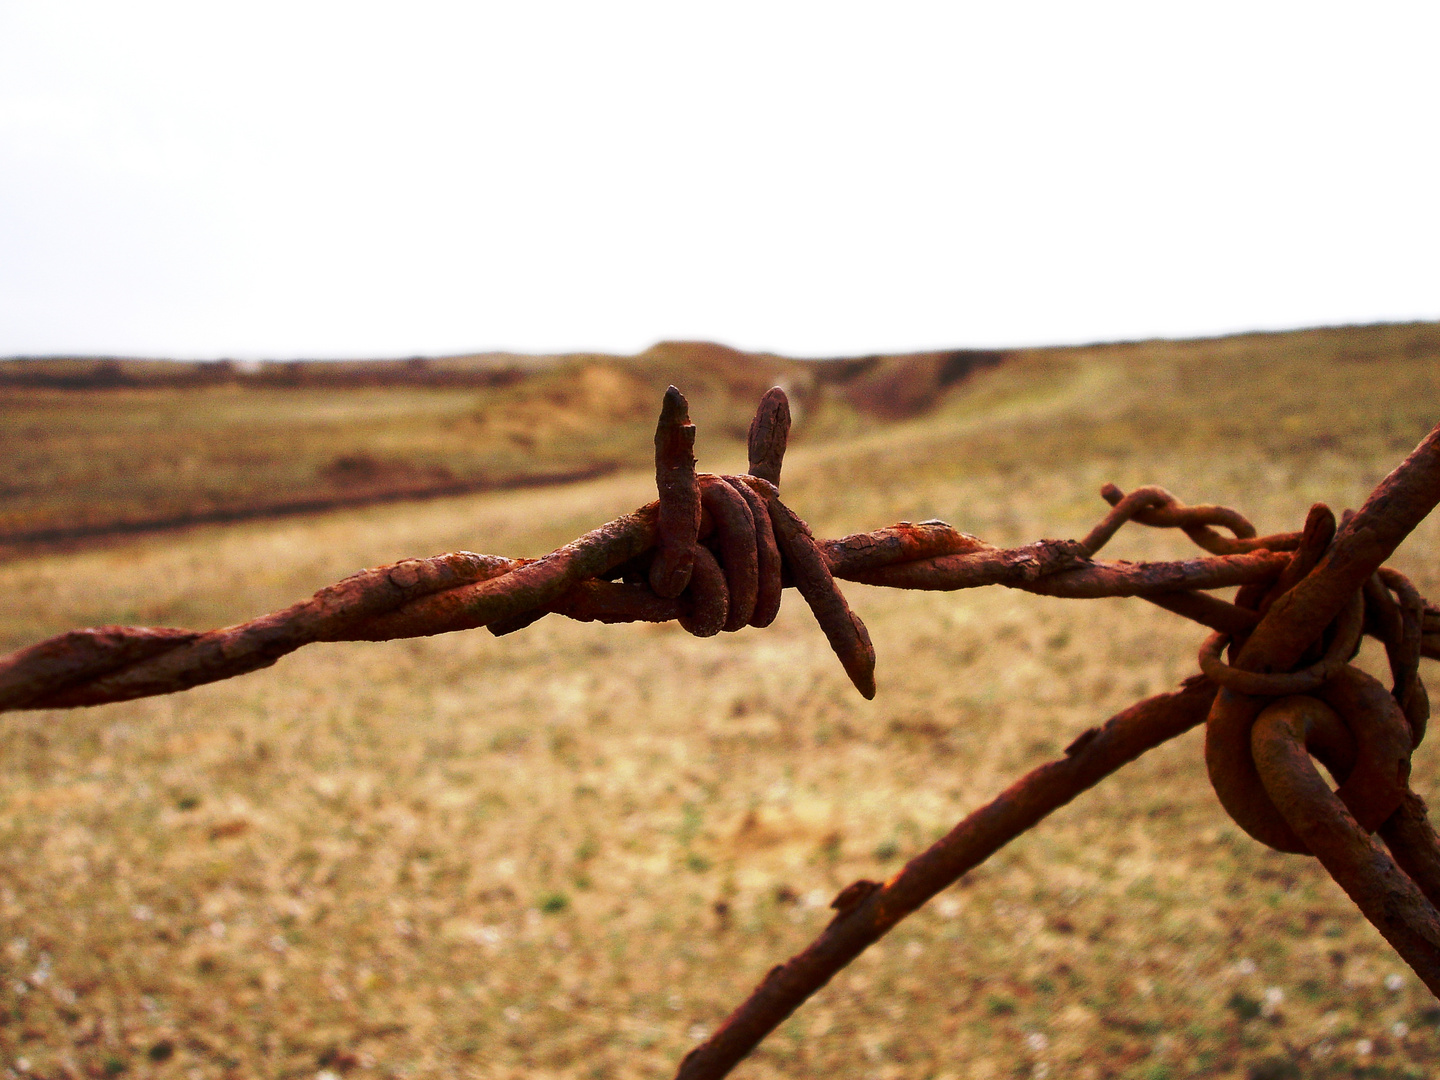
(769, 432)
(774, 407)
(674, 409)
(776, 393)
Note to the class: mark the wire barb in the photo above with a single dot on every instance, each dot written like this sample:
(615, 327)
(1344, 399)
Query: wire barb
(679, 519)
(769, 433)
(844, 630)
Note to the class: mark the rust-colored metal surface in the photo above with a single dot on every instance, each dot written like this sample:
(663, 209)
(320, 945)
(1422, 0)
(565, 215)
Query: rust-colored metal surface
(736, 545)
(769, 433)
(1356, 860)
(715, 553)
(679, 519)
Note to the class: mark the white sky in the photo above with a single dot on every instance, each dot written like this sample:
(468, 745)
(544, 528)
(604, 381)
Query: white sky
(290, 179)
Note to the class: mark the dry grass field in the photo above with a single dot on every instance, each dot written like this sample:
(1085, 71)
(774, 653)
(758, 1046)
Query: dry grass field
(104, 446)
(568, 852)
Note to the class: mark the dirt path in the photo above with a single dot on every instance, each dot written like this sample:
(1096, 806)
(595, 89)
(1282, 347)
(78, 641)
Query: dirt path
(24, 541)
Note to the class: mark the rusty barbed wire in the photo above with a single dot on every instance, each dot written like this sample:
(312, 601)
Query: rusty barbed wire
(686, 557)
(715, 553)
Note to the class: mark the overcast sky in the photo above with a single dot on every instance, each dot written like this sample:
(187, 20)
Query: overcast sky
(291, 179)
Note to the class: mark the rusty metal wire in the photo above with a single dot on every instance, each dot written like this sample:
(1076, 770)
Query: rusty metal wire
(715, 553)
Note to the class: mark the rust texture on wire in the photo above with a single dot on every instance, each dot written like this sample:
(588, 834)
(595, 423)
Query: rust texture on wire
(1276, 688)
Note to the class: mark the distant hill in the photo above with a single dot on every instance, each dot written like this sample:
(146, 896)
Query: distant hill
(887, 385)
(106, 445)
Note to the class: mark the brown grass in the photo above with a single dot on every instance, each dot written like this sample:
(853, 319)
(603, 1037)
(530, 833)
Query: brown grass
(567, 853)
(95, 447)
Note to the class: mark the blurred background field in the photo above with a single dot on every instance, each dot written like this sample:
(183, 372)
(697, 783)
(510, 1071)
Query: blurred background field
(569, 852)
(110, 446)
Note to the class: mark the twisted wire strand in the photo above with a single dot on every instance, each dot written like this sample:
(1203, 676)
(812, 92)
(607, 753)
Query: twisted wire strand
(1332, 579)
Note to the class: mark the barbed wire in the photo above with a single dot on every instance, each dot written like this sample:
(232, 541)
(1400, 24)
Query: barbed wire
(716, 552)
